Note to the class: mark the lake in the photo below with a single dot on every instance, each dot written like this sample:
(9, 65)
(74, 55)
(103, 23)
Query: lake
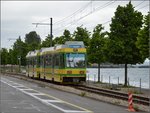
(134, 76)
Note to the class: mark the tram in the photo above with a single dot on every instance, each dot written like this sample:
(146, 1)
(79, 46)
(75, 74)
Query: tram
(62, 63)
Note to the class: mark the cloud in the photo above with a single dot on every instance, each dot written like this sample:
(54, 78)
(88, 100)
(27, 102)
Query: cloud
(17, 16)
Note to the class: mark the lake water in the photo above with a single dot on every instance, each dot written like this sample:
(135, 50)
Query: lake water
(134, 75)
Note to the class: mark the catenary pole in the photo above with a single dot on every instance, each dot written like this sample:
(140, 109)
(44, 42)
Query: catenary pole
(50, 24)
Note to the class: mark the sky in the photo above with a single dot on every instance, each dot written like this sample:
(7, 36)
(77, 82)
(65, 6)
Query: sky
(17, 16)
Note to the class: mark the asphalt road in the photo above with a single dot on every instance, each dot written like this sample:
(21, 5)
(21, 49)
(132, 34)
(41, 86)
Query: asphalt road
(20, 96)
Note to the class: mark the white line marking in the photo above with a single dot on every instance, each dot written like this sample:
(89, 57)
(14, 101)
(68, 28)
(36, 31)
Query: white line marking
(58, 101)
(73, 111)
(48, 102)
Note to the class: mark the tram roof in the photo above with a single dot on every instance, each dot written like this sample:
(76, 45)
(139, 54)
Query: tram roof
(68, 44)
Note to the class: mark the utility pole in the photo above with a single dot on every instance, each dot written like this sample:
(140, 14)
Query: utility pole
(50, 24)
(51, 35)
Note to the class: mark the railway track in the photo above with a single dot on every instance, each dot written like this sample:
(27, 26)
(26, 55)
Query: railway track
(105, 92)
(114, 94)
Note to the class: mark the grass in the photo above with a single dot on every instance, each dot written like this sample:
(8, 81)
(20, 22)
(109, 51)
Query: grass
(136, 107)
(137, 92)
(82, 94)
(117, 102)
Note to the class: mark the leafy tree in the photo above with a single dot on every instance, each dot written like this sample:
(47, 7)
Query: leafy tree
(59, 40)
(143, 38)
(46, 42)
(33, 40)
(20, 50)
(81, 34)
(62, 39)
(67, 35)
(32, 37)
(10, 55)
(96, 50)
(124, 29)
(4, 56)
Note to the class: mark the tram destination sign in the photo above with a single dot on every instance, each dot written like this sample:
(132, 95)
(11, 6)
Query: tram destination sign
(75, 46)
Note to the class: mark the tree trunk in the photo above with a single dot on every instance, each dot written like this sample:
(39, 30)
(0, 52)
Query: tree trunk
(98, 72)
(126, 77)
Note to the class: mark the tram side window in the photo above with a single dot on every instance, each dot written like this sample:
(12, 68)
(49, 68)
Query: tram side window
(44, 57)
(46, 60)
(50, 60)
(34, 61)
(38, 61)
(41, 59)
(57, 60)
(62, 63)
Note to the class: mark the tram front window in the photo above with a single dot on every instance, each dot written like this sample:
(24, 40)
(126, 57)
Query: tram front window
(75, 60)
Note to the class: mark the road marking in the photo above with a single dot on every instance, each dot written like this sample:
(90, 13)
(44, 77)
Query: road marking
(47, 102)
(54, 101)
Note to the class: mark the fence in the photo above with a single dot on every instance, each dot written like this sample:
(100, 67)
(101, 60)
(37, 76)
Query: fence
(112, 81)
(12, 68)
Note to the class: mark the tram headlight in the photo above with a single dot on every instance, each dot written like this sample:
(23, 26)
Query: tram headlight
(69, 72)
(81, 72)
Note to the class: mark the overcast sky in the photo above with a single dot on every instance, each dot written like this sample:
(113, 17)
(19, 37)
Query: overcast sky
(17, 16)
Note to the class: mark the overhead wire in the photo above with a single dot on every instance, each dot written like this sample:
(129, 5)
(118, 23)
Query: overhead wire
(140, 3)
(81, 17)
(99, 8)
(79, 10)
(143, 7)
(110, 20)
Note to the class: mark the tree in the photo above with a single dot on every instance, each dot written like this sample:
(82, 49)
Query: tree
(59, 40)
(46, 42)
(123, 32)
(62, 39)
(67, 35)
(32, 37)
(4, 56)
(142, 42)
(81, 34)
(10, 55)
(20, 50)
(96, 50)
(33, 40)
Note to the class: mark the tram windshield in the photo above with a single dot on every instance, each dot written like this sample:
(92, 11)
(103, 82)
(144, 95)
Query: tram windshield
(75, 60)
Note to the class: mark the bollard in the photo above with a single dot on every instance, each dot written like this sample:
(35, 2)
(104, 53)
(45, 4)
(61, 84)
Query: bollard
(128, 82)
(140, 85)
(88, 78)
(94, 78)
(109, 81)
(130, 101)
(118, 80)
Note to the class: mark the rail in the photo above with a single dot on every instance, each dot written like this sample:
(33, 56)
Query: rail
(114, 94)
